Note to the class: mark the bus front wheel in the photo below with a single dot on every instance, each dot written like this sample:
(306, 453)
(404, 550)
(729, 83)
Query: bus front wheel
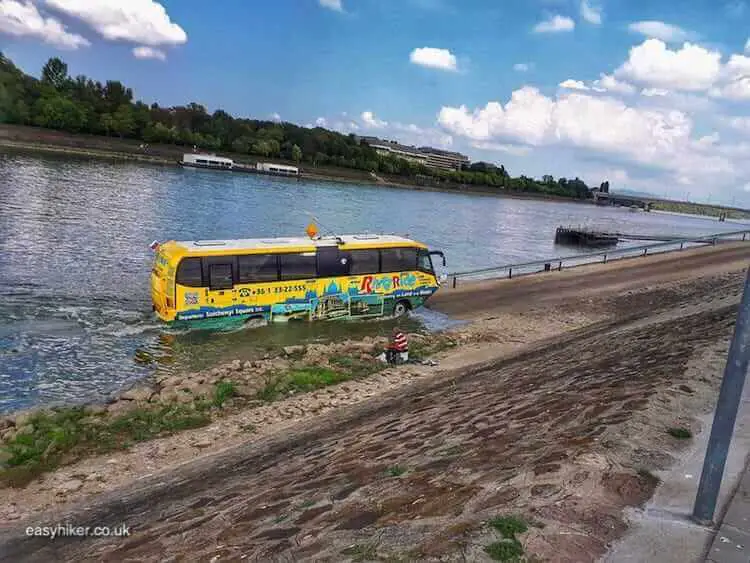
(401, 308)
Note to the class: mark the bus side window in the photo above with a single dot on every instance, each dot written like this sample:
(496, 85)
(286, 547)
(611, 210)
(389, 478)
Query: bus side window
(364, 262)
(189, 272)
(220, 276)
(257, 268)
(332, 262)
(398, 259)
(298, 266)
(424, 262)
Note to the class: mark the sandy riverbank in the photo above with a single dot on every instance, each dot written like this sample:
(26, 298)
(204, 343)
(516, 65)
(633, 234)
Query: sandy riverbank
(553, 405)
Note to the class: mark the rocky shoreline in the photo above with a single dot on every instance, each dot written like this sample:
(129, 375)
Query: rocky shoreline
(208, 394)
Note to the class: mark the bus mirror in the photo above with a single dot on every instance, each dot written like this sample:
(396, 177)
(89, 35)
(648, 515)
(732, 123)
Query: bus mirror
(443, 278)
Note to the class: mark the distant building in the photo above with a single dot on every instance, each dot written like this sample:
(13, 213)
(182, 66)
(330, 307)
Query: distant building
(446, 160)
(428, 156)
(392, 148)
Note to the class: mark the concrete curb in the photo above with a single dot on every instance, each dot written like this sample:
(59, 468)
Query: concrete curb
(731, 544)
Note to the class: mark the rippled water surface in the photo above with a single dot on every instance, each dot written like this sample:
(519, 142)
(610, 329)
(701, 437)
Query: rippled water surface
(75, 317)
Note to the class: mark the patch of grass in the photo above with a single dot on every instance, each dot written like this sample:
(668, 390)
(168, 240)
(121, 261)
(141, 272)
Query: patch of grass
(361, 552)
(309, 379)
(505, 550)
(357, 367)
(280, 518)
(224, 390)
(271, 389)
(395, 471)
(509, 548)
(65, 435)
(509, 526)
(248, 428)
(307, 504)
(299, 380)
(680, 433)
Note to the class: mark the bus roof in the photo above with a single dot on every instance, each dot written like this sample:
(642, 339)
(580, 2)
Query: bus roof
(292, 244)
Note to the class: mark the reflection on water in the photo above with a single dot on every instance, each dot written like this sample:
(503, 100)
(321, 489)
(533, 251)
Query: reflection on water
(75, 317)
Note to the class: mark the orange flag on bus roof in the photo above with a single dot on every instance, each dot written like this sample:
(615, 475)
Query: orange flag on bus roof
(312, 230)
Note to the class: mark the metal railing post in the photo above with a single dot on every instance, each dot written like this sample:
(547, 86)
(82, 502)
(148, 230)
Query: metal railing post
(727, 405)
(454, 281)
(605, 258)
(510, 273)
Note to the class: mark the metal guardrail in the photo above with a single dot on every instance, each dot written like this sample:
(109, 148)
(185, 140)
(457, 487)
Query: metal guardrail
(601, 256)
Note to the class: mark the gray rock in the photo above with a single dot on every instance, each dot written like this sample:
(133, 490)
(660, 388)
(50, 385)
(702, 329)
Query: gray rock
(292, 350)
(22, 417)
(202, 443)
(95, 410)
(25, 429)
(236, 365)
(121, 407)
(69, 486)
(140, 393)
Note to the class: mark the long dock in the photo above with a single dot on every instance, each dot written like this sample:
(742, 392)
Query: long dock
(587, 237)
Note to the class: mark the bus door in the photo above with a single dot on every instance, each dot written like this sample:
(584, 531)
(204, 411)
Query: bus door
(220, 276)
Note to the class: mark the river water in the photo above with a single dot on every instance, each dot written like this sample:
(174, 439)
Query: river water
(75, 312)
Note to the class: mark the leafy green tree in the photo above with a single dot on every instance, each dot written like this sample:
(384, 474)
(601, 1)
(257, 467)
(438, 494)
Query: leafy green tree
(107, 123)
(122, 120)
(242, 145)
(55, 73)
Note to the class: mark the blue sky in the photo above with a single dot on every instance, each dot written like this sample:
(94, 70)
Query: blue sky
(652, 95)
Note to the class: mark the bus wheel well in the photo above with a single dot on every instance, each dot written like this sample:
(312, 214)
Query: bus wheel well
(401, 307)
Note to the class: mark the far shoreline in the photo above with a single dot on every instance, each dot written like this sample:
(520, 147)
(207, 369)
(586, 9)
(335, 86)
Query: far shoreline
(118, 156)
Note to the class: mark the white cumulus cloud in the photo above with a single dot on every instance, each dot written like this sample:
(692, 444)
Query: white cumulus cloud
(608, 83)
(660, 30)
(321, 122)
(430, 57)
(141, 21)
(23, 19)
(149, 53)
(369, 119)
(590, 13)
(522, 67)
(555, 24)
(651, 92)
(332, 5)
(653, 64)
(276, 117)
(570, 84)
(661, 139)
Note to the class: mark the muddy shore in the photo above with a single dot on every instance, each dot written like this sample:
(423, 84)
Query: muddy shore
(554, 405)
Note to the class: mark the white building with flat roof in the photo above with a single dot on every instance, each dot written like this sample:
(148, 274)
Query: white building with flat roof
(447, 160)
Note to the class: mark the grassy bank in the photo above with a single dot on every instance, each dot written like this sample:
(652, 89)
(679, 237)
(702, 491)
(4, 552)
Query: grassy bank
(46, 439)
(40, 441)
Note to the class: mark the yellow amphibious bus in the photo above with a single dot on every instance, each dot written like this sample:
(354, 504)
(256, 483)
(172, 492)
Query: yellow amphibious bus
(278, 279)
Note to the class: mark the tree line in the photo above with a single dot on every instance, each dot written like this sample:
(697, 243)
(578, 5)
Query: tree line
(82, 105)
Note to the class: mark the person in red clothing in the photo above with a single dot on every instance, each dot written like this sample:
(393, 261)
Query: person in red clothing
(398, 349)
